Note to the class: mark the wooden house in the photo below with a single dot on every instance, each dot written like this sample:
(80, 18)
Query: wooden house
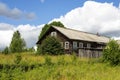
(82, 43)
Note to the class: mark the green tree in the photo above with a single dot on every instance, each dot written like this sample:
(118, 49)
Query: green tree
(55, 23)
(17, 44)
(111, 53)
(51, 46)
(31, 49)
(6, 50)
(45, 28)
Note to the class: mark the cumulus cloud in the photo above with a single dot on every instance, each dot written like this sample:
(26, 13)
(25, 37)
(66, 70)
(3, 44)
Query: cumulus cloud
(30, 15)
(29, 32)
(91, 17)
(5, 38)
(14, 13)
(94, 17)
(5, 26)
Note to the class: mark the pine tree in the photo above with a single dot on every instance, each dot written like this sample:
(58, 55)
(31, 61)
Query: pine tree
(52, 46)
(17, 44)
(45, 28)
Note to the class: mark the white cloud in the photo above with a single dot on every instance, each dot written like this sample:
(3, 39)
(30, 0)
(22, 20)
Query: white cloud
(30, 15)
(94, 17)
(91, 17)
(5, 26)
(29, 32)
(14, 13)
(5, 38)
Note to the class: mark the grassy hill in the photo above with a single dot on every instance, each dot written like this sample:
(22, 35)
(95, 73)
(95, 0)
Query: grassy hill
(64, 67)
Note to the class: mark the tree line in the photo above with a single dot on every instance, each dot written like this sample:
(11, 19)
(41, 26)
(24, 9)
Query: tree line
(50, 45)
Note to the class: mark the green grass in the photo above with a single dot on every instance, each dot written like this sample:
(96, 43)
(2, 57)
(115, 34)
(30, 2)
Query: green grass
(64, 67)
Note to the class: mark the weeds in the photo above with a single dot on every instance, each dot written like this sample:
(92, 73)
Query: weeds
(56, 68)
(17, 59)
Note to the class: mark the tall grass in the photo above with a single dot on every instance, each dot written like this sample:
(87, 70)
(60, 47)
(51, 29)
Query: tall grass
(64, 67)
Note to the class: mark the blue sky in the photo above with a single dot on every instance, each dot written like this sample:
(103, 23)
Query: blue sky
(29, 16)
(44, 10)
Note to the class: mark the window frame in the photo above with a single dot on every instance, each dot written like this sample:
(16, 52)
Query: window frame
(75, 44)
(80, 43)
(67, 45)
(54, 33)
(88, 45)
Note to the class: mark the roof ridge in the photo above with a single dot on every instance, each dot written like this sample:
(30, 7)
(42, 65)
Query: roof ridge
(81, 31)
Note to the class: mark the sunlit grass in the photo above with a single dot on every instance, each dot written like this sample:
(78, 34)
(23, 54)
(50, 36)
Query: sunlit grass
(63, 67)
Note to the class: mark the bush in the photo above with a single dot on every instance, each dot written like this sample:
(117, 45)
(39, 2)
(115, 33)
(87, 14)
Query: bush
(48, 60)
(45, 29)
(18, 58)
(61, 60)
(51, 46)
(6, 50)
(111, 53)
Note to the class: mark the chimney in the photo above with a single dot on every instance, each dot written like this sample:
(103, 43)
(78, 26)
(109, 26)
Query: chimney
(97, 34)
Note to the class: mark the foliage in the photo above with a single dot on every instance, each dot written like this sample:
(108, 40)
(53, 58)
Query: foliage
(18, 58)
(31, 49)
(80, 70)
(61, 60)
(17, 44)
(6, 50)
(112, 53)
(54, 23)
(74, 58)
(51, 46)
(48, 60)
(45, 28)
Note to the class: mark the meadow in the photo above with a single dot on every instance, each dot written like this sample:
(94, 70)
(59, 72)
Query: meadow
(62, 67)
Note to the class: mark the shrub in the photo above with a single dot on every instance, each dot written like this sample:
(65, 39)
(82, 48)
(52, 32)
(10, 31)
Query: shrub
(61, 60)
(6, 50)
(51, 46)
(111, 53)
(48, 60)
(74, 57)
(18, 58)
(45, 29)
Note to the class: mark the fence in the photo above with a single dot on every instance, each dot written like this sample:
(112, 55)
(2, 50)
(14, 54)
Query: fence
(90, 52)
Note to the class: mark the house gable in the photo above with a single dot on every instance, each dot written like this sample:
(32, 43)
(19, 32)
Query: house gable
(50, 32)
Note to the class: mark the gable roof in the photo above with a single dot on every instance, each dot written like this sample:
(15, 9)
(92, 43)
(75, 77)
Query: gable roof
(80, 35)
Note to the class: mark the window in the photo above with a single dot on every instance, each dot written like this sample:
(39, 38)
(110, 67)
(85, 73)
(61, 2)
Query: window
(88, 45)
(53, 34)
(66, 45)
(80, 45)
(74, 44)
